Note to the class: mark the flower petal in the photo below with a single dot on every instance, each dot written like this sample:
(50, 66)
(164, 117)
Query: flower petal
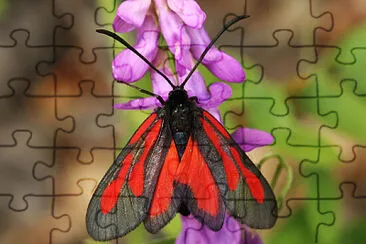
(130, 14)
(219, 92)
(127, 66)
(251, 237)
(159, 84)
(195, 86)
(219, 63)
(194, 232)
(174, 33)
(248, 138)
(228, 69)
(139, 104)
(189, 11)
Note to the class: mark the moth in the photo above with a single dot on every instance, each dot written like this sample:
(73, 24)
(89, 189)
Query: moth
(180, 160)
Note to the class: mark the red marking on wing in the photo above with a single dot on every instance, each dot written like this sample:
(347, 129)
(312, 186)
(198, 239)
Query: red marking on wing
(194, 172)
(143, 127)
(164, 188)
(111, 193)
(232, 174)
(136, 178)
(217, 124)
(254, 184)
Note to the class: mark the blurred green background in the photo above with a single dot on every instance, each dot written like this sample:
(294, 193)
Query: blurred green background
(305, 63)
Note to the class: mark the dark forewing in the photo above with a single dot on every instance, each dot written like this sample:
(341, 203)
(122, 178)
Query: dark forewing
(123, 197)
(165, 201)
(247, 195)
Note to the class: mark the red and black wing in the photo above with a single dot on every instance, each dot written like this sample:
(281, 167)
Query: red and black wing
(123, 197)
(245, 192)
(196, 186)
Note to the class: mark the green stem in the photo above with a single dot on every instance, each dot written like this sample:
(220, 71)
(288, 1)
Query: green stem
(281, 165)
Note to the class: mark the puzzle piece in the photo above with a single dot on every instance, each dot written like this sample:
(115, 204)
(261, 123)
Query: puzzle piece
(300, 18)
(355, 10)
(23, 18)
(30, 113)
(325, 73)
(14, 68)
(75, 205)
(345, 171)
(68, 69)
(123, 123)
(312, 218)
(12, 162)
(67, 170)
(84, 107)
(259, 110)
(282, 57)
(344, 124)
(38, 221)
(83, 17)
(346, 217)
(105, 13)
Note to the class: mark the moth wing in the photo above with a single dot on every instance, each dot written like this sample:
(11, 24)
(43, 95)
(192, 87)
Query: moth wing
(166, 199)
(246, 193)
(123, 197)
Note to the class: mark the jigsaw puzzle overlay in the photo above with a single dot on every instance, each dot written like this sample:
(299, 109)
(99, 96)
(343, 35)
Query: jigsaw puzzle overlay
(59, 133)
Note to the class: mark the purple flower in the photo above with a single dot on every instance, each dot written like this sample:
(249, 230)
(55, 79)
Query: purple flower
(232, 232)
(248, 139)
(189, 11)
(127, 66)
(181, 24)
(130, 15)
(219, 63)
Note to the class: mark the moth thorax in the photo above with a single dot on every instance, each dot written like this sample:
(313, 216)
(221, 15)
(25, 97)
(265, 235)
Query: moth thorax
(181, 117)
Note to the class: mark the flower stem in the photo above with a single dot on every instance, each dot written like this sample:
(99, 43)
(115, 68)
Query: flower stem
(281, 165)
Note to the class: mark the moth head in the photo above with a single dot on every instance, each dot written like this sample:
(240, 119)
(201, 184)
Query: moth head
(178, 94)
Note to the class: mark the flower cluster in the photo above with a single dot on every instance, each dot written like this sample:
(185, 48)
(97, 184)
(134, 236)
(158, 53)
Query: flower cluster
(180, 23)
(231, 232)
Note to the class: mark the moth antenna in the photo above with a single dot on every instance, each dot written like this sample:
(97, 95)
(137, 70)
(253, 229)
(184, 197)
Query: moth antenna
(125, 43)
(161, 100)
(199, 61)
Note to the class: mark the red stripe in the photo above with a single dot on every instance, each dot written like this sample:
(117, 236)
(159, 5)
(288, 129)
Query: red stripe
(231, 172)
(217, 124)
(112, 191)
(194, 172)
(254, 184)
(164, 188)
(141, 130)
(136, 178)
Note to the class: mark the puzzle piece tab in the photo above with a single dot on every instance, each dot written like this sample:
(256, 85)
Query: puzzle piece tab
(30, 113)
(84, 109)
(38, 221)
